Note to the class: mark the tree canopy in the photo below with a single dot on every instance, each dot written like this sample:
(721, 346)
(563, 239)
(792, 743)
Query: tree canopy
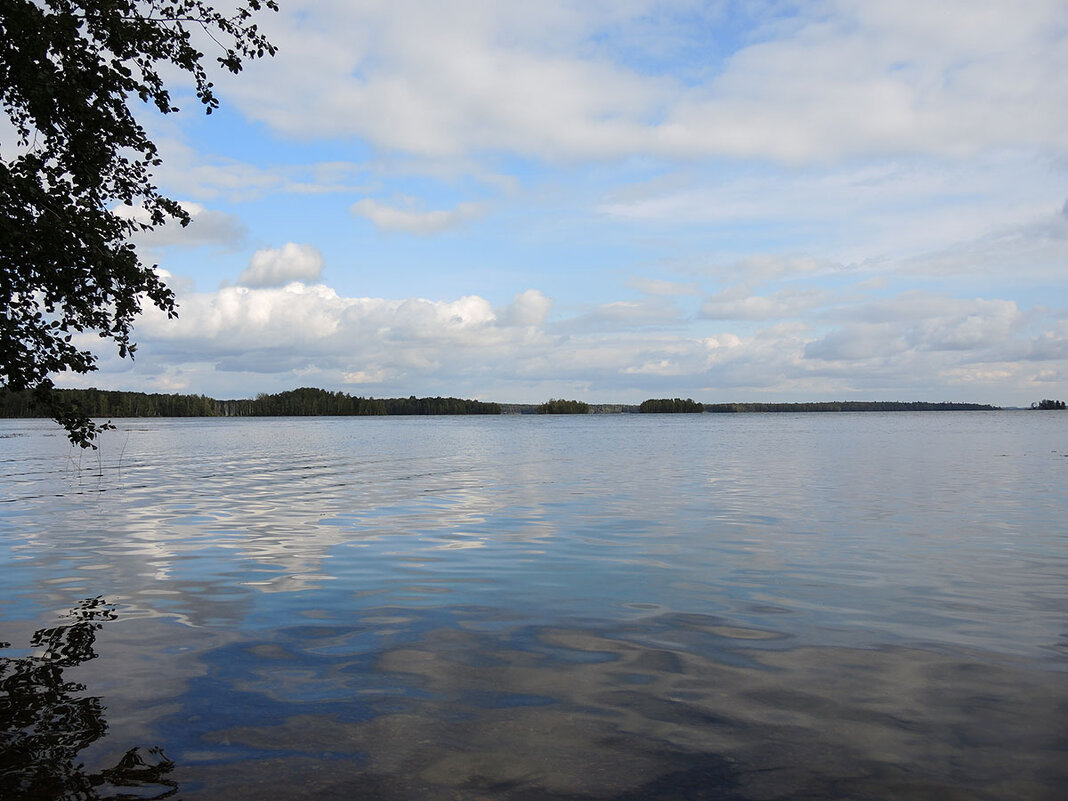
(70, 75)
(305, 402)
(671, 406)
(561, 406)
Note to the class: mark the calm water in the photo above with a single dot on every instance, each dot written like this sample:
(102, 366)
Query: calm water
(604, 607)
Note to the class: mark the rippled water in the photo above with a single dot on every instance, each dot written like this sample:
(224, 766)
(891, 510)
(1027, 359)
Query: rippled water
(600, 607)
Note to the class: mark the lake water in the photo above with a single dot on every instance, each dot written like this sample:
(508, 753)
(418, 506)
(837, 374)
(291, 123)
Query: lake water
(820, 606)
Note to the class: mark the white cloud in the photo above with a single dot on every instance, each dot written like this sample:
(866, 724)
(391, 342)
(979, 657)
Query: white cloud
(553, 79)
(657, 286)
(365, 376)
(422, 223)
(278, 266)
(1031, 249)
(918, 321)
(738, 304)
(529, 308)
(625, 315)
(917, 345)
(207, 227)
(844, 216)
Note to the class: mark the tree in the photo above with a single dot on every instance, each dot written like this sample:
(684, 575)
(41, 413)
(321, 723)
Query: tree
(561, 406)
(671, 406)
(69, 73)
(46, 719)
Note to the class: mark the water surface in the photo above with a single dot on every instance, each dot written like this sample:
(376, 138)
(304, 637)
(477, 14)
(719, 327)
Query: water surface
(598, 607)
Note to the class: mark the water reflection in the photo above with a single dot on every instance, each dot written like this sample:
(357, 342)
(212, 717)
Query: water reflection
(624, 608)
(46, 720)
(571, 713)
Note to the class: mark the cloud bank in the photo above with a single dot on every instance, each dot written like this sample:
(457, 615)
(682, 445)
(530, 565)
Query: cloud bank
(909, 346)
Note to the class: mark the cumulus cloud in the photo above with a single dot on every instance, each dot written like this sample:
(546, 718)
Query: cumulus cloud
(422, 223)
(914, 346)
(529, 308)
(316, 320)
(278, 266)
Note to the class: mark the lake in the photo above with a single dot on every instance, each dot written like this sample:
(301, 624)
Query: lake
(765, 606)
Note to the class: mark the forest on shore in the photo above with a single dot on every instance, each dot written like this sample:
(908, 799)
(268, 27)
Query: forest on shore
(303, 402)
(312, 402)
(850, 406)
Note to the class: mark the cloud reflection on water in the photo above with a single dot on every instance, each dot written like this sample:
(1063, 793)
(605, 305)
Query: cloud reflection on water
(656, 608)
(568, 713)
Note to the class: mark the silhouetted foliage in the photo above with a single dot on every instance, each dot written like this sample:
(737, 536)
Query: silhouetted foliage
(70, 72)
(670, 406)
(554, 406)
(1048, 405)
(46, 720)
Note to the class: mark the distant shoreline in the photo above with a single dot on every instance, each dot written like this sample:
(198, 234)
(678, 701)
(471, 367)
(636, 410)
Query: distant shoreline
(312, 402)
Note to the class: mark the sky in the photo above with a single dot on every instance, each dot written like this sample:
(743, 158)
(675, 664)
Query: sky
(622, 199)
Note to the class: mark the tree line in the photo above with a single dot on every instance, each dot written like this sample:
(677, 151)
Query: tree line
(671, 406)
(849, 406)
(303, 402)
(560, 406)
(310, 401)
(1047, 404)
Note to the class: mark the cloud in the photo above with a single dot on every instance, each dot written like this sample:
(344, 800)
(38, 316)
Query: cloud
(241, 340)
(278, 266)
(656, 286)
(847, 217)
(421, 223)
(529, 308)
(624, 315)
(207, 227)
(560, 81)
(1031, 249)
(982, 329)
(858, 342)
(737, 304)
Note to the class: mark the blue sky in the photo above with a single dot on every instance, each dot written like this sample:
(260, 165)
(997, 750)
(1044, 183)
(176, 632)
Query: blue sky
(621, 200)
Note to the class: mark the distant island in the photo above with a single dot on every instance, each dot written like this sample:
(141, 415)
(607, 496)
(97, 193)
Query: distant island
(312, 402)
(555, 406)
(671, 406)
(851, 406)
